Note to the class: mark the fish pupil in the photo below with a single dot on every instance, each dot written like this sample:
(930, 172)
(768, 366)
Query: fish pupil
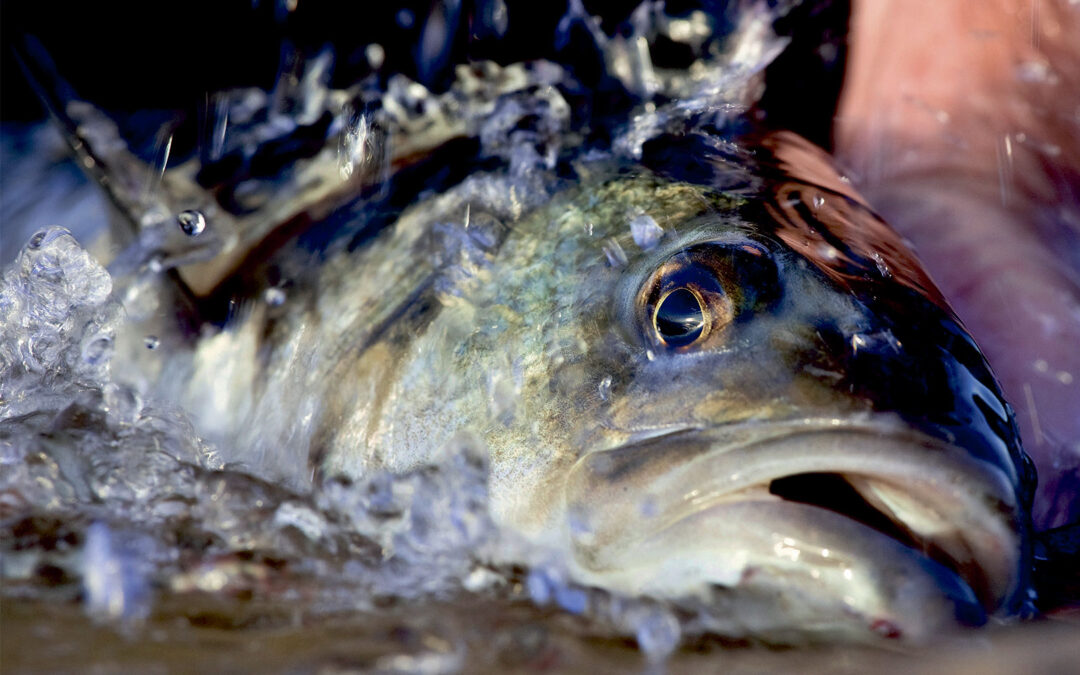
(680, 318)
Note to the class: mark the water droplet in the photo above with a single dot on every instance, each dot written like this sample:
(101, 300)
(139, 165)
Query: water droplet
(539, 587)
(818, 201)
(645, 231)
(614, 253)
(151, 342)
(162, 148)
(361, 147)
(1035, 71)
(122, 403)
(604, 388)
(494, 17)
(191, 222)
(658, 633)
(307, 521)
(828, 252)
(882, 266)
(375, 55)
(275, 297)
(113, 585)
(49, 234)
(573, 600)
(857, 342)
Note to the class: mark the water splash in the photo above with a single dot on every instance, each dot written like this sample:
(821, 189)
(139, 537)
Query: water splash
(114, 577)
(150, 508)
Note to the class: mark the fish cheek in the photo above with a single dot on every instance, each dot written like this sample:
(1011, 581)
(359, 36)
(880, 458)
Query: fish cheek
(729, 405)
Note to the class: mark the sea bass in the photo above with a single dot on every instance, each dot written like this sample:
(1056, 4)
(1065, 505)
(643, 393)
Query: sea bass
(744, 391)
(703, 369)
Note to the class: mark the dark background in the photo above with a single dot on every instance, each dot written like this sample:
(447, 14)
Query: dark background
(127, 56)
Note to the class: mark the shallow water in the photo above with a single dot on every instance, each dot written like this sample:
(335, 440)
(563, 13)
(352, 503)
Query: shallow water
(206, 633)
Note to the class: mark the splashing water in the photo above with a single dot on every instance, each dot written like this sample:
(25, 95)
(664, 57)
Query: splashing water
(120, 499)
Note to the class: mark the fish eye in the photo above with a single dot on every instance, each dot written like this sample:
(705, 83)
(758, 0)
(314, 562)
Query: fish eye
(692, 296)
(680, 317)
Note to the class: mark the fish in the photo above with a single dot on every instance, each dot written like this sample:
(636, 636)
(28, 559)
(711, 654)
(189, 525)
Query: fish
(703, 369)
(750, 395)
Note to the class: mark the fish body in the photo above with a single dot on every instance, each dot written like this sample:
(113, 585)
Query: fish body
(747, 396)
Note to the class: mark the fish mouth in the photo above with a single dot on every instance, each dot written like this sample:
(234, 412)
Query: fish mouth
(844, 527)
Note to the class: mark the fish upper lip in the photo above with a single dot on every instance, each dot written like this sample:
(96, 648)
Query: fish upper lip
(688, 470)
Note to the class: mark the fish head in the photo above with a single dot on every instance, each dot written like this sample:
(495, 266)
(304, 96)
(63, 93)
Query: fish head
(755, 398)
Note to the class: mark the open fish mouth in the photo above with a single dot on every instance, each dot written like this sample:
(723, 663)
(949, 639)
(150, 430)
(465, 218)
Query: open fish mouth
(838, 526)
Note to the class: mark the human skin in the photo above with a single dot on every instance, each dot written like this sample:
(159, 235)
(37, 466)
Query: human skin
(960, 121)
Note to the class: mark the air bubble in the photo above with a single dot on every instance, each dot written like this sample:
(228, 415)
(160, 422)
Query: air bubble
(191, 222)
(151, 342)
(275, 297)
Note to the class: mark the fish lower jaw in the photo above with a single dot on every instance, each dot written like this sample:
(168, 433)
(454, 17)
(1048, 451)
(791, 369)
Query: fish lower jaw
(809, 575)
(816, 540)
